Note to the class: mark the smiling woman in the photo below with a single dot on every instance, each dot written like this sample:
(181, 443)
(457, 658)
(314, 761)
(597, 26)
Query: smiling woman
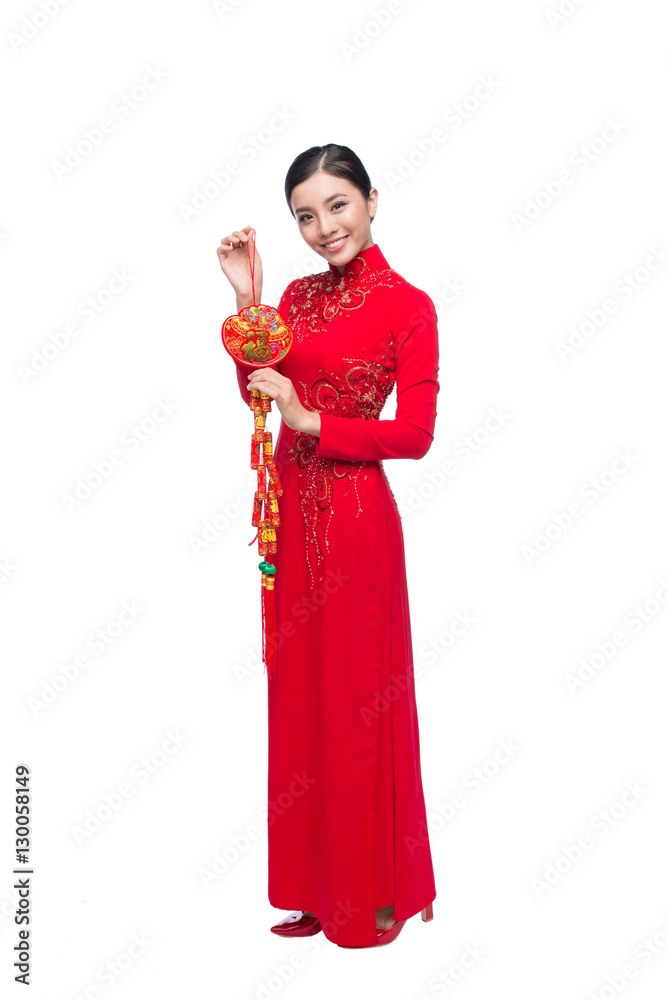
(337, 223)
(351, 856)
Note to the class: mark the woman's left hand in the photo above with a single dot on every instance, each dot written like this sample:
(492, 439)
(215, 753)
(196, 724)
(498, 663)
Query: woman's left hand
(281, 389)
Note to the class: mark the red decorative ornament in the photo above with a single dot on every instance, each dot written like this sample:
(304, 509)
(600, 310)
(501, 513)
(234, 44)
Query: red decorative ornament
(258, 336)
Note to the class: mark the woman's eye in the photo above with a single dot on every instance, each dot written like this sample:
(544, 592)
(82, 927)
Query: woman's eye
(306, 215)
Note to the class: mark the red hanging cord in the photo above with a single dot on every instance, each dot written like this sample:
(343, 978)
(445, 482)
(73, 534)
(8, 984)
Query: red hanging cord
(252, 266)
(268, 582)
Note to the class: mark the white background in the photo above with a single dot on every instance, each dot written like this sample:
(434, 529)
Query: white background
(188, 661)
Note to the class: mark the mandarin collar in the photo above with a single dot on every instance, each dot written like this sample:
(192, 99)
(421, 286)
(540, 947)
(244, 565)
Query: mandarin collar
(371, 258)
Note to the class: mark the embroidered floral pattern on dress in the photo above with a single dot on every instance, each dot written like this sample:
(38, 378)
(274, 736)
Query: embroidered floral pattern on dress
(322, 297)
(359, 389)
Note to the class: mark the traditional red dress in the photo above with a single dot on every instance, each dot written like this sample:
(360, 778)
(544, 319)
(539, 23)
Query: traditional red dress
(347, 824)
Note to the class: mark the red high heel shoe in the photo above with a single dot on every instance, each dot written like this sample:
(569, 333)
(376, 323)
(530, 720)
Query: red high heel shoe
(388, 934)
(297, 924)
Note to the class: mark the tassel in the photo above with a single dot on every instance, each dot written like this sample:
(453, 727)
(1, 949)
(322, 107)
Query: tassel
(266, 518)
(258, 336)
(268, 625)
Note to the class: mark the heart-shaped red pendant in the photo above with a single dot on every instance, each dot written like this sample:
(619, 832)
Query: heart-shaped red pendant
(257, 336)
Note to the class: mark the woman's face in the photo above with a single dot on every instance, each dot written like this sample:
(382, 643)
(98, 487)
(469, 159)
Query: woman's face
(329, 209)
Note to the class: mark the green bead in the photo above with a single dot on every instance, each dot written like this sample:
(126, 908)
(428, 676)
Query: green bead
(263, 565)
(270, 570)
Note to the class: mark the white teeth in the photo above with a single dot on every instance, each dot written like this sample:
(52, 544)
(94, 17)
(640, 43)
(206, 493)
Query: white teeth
(336, 243)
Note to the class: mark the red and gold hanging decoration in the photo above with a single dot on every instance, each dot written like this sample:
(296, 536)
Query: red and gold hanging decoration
(258, 336)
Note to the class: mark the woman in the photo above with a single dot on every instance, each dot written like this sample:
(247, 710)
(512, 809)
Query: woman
(348, 844)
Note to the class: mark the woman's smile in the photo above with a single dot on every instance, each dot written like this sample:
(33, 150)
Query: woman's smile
(335, 244)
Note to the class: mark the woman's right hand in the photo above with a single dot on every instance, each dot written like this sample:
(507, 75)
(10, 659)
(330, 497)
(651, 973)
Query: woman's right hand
(235, 253)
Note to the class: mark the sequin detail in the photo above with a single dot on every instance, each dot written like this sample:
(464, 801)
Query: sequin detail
(321, 297)
(360, 388)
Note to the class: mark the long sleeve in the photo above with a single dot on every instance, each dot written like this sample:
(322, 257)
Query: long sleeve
(410, 433)
(242, 371)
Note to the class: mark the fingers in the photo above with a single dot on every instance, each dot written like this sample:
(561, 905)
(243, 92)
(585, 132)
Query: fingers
(237, 239)
(230, 243)
(265, 376)
(263, 384)
(261, 373)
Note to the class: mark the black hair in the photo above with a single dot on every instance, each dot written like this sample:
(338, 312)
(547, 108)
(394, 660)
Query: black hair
(340, 161)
